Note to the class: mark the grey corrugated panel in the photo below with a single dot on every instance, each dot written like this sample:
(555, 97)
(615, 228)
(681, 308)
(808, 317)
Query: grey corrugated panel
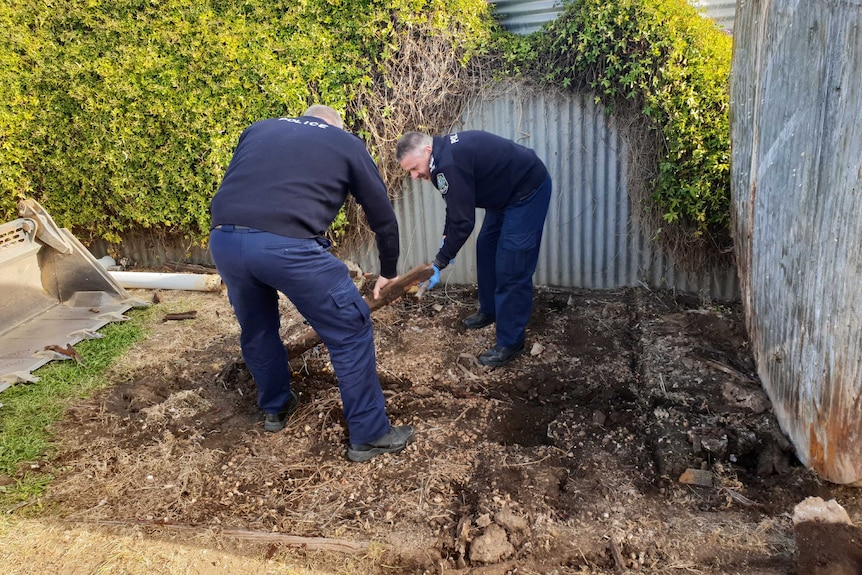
(591, 239)
(796, 129)
(722, 11)
(525, 16)
(152, 251)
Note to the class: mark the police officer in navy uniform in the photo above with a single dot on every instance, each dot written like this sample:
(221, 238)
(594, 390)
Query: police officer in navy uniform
(283, 187)
(475, 169)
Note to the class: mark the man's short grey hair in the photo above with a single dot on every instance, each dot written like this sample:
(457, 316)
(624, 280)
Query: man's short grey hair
(411, 143)
(325, 113)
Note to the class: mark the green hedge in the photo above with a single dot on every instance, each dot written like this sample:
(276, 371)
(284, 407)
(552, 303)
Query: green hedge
(123, 115)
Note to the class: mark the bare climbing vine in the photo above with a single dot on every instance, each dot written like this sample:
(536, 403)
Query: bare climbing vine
(425, 87)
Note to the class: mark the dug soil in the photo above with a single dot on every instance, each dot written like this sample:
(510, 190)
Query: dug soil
(632, 436)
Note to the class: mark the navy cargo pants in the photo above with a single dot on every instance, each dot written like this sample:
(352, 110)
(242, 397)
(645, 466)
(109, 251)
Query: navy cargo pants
(254, 266)
(507, 251)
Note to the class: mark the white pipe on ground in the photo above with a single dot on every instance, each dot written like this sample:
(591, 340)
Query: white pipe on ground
(177, 281)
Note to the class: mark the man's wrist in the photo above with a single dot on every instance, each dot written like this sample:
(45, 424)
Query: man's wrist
(389, 268)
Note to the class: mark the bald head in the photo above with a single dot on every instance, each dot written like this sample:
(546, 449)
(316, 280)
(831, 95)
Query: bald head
(325, 113)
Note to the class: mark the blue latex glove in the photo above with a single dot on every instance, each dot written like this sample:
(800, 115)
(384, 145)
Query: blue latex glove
(432, 281)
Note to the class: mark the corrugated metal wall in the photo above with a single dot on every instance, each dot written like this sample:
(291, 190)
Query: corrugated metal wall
(796, 128)
(722, 11)
(525, 16)
(591, 239)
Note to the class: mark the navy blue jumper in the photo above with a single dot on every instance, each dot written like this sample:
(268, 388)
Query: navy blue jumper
(475, 169)
(283, 187)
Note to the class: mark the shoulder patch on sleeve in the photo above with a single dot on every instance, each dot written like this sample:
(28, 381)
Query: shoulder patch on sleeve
(442, 184)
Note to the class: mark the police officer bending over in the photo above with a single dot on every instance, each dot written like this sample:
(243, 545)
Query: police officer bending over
(285, 184)
(475, 169)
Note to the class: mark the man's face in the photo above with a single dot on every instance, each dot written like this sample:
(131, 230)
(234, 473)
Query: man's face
(418, 164)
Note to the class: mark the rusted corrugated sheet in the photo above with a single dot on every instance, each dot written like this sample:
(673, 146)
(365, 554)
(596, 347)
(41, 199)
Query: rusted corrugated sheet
(796, 121)
(592, 237)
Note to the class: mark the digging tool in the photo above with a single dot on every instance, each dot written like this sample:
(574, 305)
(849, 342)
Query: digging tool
(308, 338)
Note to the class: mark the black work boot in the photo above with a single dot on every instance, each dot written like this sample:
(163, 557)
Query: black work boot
(478, 320)
(394, 440)
(276, 421)
(498, 356)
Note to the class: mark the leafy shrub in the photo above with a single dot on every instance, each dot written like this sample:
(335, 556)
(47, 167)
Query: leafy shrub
(674, 65)
(122, 115)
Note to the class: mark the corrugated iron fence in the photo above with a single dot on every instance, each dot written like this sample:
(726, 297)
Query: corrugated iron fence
(592, 238)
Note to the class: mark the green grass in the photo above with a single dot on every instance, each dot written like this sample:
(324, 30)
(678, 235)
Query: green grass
(28, 410)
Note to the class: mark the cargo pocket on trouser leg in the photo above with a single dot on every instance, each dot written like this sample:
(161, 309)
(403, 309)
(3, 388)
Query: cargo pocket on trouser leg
(352, 315)
(516, 255)
(355, 366)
